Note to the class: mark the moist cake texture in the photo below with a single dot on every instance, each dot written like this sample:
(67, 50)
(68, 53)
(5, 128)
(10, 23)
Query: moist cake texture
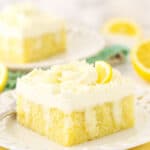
(66, 104)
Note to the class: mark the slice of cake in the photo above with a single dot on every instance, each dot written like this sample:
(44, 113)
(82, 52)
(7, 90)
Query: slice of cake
(28, 35)
(66, 104)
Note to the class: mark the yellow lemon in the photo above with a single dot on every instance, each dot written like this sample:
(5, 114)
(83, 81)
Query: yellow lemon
(142, 147)
(122, 27)
(140, 58)
(3, 76)
(104, 72)
(1, 148)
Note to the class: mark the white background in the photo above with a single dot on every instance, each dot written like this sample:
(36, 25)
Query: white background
(95, 12)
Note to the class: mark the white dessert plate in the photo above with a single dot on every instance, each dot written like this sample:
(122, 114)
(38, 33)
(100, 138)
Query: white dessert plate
(81, 43)
(17, 137)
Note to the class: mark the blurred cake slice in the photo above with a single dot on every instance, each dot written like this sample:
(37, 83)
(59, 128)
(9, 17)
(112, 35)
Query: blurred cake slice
(67, 105)
(28, 35)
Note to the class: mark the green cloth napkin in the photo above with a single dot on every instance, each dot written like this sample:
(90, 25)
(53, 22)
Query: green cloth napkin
(12, 79)
(113, 54)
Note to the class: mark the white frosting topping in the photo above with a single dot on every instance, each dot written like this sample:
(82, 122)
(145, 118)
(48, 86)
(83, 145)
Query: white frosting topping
(72, 87)
(26, 21)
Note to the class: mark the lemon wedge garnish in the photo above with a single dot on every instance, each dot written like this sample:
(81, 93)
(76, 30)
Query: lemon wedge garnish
(104, 72)
(122, 27)
(3, 76)
(140, 58)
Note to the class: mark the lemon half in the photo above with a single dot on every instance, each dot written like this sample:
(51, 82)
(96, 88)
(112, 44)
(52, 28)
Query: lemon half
(140, 58)
(3, 76)
(122, 27)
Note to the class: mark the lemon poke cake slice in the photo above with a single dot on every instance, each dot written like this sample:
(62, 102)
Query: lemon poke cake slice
(74, 103)
(27, 34)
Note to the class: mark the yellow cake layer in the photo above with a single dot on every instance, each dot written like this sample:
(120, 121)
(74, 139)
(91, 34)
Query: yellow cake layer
(30, 49)
(76, 127)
